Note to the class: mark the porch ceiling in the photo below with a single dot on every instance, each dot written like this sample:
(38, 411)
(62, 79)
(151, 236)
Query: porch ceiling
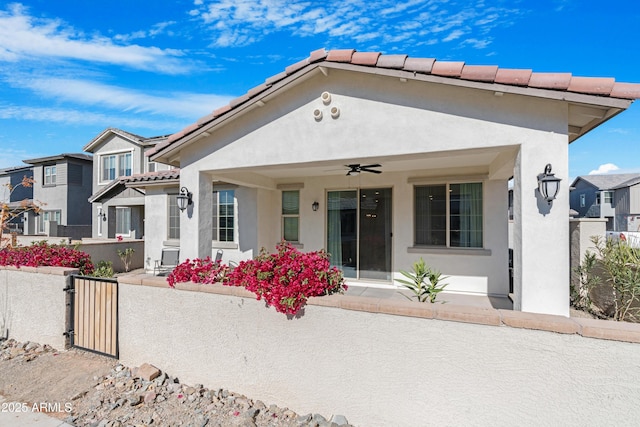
(494, 163)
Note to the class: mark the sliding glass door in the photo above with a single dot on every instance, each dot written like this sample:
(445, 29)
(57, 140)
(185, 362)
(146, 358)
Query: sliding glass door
(359, 232)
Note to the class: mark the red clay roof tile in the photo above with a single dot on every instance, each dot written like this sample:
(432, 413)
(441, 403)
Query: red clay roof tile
(626, 90)
(456, 69)
(391, 61)
(340, 55)
(220, 111)
(257, 90)
(419, 65)
(365, 58)
(297, 66)
(276, 78)
(510, 76)
(593, 85)
(558, 81)
(480, 73)
(447, 68)
(205, 119)
(317, 55)
(239, 100)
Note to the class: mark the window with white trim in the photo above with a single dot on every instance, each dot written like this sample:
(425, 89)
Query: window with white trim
(449, 215)
(114, 166)
(583, 200)
(224, 216)
(291, 216)
(174, 217)
(50, 175)
(608, 197)
(46, 216)
(123, 221)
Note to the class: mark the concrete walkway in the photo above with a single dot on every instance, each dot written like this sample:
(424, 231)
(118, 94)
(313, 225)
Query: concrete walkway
(482, 301)
(12, 415)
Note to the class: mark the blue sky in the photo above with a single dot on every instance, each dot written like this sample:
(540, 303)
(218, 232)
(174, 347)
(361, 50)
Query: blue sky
(71, 68)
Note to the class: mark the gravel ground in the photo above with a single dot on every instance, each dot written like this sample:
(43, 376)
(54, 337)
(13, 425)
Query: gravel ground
(86, 389)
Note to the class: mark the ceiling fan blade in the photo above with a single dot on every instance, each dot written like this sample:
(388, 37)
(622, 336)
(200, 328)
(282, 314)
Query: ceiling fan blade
(377, 165)
(369, 170)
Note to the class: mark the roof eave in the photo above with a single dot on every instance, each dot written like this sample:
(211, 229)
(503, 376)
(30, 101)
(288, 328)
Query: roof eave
(170, 153)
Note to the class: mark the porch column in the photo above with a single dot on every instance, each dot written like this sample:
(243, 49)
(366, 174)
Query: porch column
(540, 230)
(196, 220)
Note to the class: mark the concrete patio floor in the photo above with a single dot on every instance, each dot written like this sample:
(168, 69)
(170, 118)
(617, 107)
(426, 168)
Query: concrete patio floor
(482, 301)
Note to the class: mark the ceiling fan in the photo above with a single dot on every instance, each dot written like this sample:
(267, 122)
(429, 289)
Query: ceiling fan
(356, 168)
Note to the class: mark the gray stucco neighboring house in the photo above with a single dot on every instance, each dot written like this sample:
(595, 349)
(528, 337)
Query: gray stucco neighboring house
(118, 210)
(614, 197)
(15, 194)
(287, 160)
(62, 186)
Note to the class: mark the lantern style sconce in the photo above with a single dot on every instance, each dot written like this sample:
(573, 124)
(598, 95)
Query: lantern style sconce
(315, 206)
(184, 199)
(548, 184)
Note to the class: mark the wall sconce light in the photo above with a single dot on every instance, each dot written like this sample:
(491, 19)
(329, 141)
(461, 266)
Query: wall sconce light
(102, 215)
(315, 206)
(184, 199)
(548, 184)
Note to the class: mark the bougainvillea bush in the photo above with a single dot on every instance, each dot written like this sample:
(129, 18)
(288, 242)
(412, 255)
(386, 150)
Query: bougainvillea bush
(198, 271)
(285, 279)
(42, 254)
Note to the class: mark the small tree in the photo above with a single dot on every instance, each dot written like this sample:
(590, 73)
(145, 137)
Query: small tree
(125, 257)
(8, 212)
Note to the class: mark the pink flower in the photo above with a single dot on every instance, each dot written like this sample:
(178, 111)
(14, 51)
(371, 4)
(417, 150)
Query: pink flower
(284, 279)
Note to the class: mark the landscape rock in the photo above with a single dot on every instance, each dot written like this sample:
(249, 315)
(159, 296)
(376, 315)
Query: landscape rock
(148, 372)
(145, 396)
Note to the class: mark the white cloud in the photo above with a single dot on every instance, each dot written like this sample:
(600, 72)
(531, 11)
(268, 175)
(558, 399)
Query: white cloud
(10, 157)
(604, 168)
(181, 104)
(77, 117)
(24, 37)
(242, 22)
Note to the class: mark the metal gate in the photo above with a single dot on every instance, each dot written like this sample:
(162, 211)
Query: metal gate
(94, 315)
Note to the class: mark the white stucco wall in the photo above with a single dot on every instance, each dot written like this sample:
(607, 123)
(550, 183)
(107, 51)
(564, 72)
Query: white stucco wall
(32, 305)
(384, 120)
(380, 370)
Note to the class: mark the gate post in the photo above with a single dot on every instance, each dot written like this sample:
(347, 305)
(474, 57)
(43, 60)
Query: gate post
(68, 312)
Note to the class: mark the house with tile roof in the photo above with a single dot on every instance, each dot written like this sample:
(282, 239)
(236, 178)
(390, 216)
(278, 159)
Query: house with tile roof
(385, 159)
(614, 197)
(118, 210)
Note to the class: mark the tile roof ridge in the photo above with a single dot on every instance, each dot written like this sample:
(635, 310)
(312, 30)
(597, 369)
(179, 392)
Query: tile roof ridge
(557, 81)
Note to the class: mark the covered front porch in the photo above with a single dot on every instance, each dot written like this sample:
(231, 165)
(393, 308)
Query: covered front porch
(449, 208)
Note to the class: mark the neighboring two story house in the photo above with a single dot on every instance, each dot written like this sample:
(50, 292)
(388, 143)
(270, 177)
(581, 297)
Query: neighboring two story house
(118, 210)
(15, 195)
(62, 186)
(614, 197)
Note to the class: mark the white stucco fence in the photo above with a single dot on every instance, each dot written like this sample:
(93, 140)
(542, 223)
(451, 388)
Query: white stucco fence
(379, 369)
(378, 362)
(32, 304)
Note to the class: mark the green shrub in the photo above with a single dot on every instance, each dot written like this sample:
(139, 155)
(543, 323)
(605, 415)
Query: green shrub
(423, 281)
(103, 269)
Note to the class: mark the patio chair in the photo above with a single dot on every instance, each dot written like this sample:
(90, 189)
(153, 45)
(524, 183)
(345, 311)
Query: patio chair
(167, 262)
